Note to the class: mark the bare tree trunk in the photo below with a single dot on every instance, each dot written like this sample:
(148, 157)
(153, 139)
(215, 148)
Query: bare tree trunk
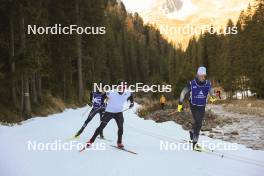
(246, 86)
(12, 54)
(22, 97)
(34, 90)
(71, 77)
(27, 103)
(247, 92)
(27, 112)
(64, 86)
(39, 87)
(79, 51)
(243, 88)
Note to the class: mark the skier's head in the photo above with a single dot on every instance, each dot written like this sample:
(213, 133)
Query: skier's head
(101, 84)
(122, 85)
(201, 73)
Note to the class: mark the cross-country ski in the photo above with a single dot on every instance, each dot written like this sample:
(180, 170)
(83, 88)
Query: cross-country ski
(124, 149)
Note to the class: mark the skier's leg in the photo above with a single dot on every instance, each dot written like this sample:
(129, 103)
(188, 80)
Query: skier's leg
(198, 115)
(119, 121)
(101, 112)
(89, 118)
(193, 132)
(193, 122)
(106, 118)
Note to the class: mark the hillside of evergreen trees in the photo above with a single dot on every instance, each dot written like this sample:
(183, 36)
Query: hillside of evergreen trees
(34, 67)
(235, 61)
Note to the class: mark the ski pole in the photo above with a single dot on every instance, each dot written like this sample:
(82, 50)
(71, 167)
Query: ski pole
(172, 113)
(85, 112)
(88, 109)
(125, 109)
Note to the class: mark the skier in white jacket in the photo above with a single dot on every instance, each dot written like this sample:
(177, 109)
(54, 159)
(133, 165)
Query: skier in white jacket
(114, 110)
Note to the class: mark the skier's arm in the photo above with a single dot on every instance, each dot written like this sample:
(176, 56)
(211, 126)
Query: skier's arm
(91, 99)
(131, 99)
(184, 91)
(91, 96)
(104, 97)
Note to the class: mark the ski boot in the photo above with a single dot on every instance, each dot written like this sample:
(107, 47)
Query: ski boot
(87, 145)
(102, 136)
(120, 145)
(197, 147)
(77, 135)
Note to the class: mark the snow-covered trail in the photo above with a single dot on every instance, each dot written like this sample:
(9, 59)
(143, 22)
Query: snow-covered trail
(142, 136)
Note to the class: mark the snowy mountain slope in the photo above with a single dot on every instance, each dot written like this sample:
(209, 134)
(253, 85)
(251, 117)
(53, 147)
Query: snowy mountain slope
(141, 136)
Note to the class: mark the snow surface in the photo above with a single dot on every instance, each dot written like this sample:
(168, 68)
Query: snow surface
(141, 136)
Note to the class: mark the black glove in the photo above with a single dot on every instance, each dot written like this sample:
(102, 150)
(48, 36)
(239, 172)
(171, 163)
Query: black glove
(131, 105)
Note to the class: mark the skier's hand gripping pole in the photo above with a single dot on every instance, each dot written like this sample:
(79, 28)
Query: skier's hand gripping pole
(180, 108)
(131, 105)
(212, 99)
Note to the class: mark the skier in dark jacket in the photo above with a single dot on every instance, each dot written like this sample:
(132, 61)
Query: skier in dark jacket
(198, 89)
(97, 99)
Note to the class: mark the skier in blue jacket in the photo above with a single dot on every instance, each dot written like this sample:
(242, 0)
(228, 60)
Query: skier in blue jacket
(198, 89)
(97, 98)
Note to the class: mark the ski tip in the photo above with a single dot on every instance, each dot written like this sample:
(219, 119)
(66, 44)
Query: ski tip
(82, 150)
(73, 138)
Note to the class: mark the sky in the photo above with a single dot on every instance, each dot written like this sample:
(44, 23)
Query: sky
(138, 5)
(170, 15)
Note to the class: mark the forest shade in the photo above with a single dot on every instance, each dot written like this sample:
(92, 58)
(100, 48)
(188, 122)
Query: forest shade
(65, 66)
